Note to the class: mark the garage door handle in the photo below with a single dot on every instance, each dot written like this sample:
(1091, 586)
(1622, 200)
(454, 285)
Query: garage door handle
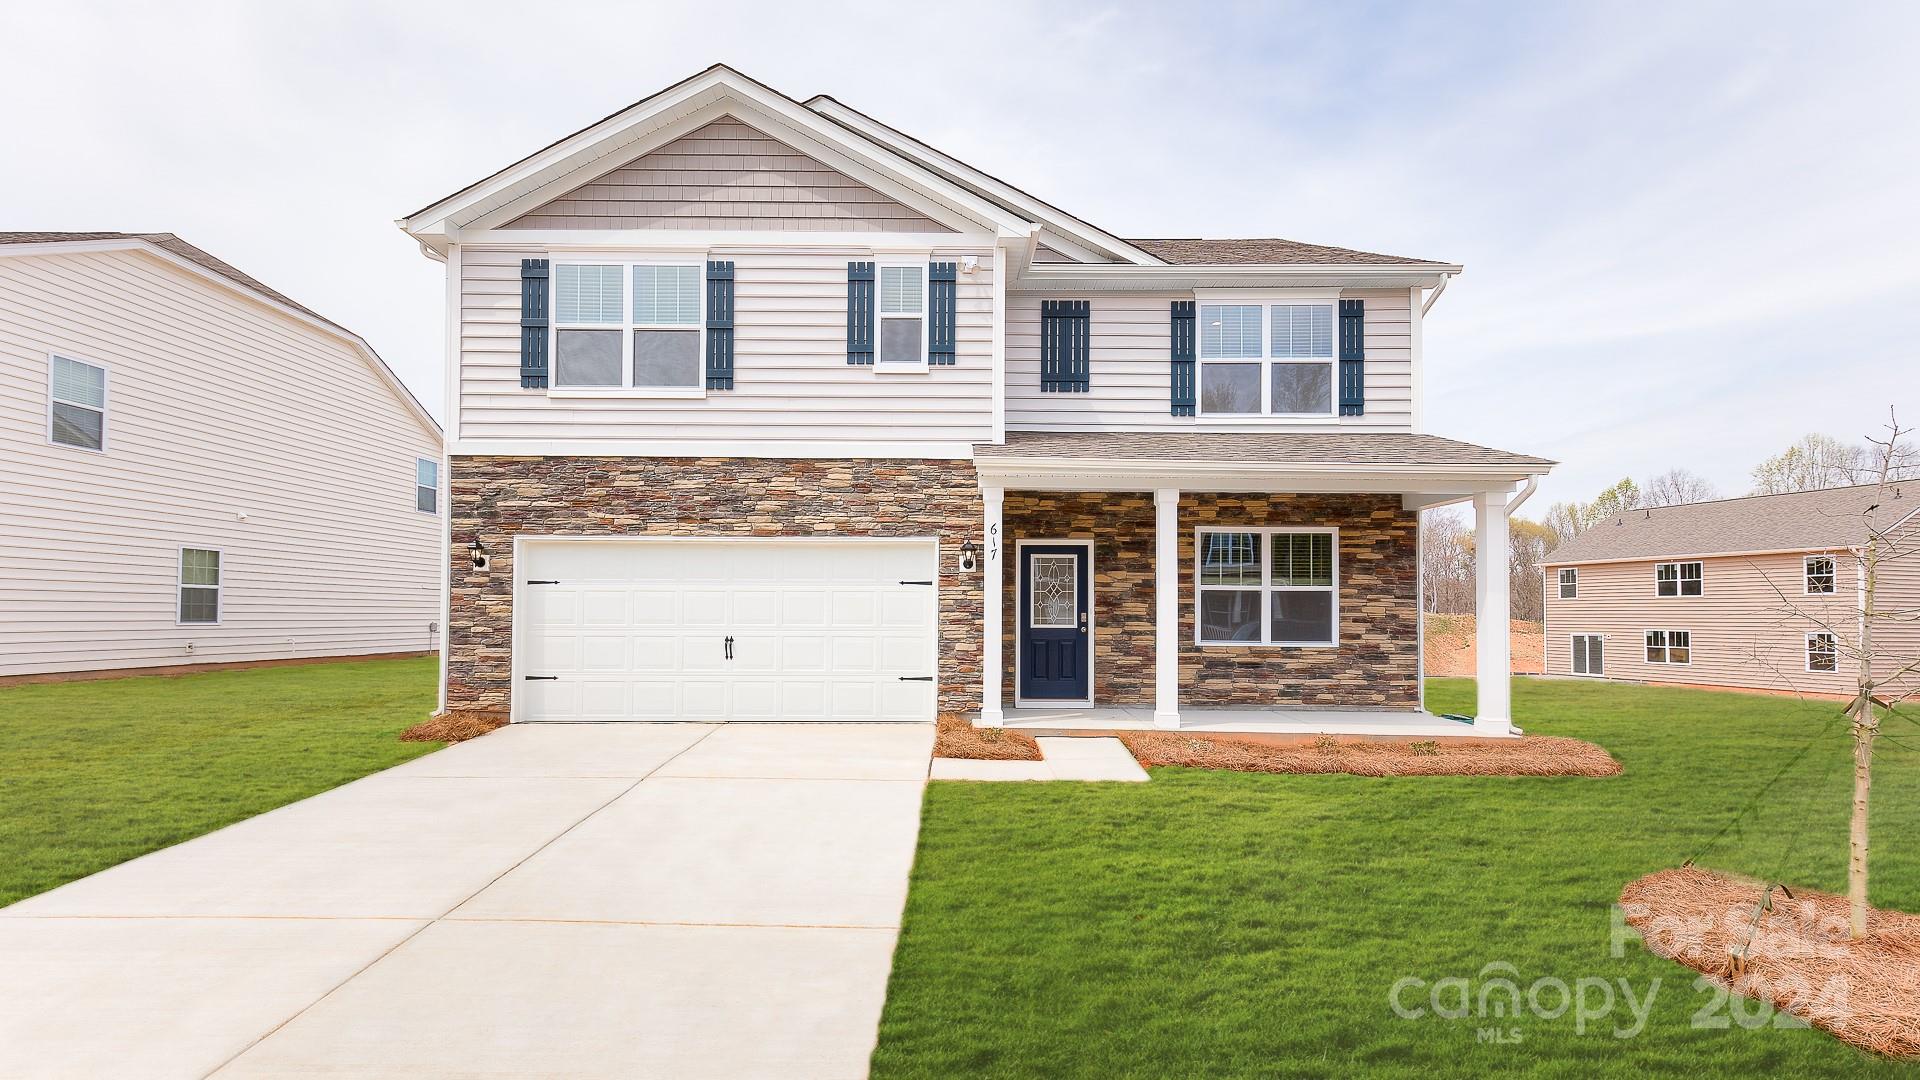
(542, 678)
(729, 646)
(916, 678)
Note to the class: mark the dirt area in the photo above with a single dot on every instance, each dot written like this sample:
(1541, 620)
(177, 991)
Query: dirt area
(1450, 650)
(1530, 755)
(1865, 992)
(453, 726)
(958, 738)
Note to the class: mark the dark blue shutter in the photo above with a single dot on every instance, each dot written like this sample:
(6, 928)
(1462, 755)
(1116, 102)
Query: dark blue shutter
(720, 325)
(1353, 357)
(859, 313)
(942, 297)
(1183, 373)
(533, 324)
(1065, 366)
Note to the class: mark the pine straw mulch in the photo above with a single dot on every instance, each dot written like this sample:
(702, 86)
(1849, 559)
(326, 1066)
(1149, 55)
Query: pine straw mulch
(1865, 993)
(1528, 755)
(452, 726)
(956, 737)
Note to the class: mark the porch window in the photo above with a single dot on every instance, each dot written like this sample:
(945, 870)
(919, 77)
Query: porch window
(1266, 359)
(620, 326)
(1676, 579)
(1267, 587)
(1820, 575)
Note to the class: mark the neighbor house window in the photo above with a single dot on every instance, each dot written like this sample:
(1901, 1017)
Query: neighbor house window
(1267, 586)
(77, 408)
(1589, 656)
(1676, 579)
(1669, 647)
(1569, 583)
(1823, 652)
(1820, 575)
(426, 485)
(628, 326)
(199, 585)
(903, 315)
(1266, 359)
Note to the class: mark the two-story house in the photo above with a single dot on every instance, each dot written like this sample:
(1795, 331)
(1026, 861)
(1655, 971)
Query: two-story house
(760, 409)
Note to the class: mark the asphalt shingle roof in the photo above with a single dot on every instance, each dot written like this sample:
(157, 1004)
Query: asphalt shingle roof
(1259, 252)
(1800, 521)
(1300, 447)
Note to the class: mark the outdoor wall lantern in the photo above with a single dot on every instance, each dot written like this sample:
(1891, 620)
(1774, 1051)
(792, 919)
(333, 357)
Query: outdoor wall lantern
(969, 557)
(478, 553)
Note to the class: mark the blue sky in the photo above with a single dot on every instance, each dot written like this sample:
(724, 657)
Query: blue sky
(1690, 230)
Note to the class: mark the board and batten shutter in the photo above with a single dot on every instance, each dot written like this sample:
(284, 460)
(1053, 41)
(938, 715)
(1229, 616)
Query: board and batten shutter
(1065, 347)
(942, 299)
(533, 324)
(1183, 360)
(859, 313)
(720, 324)
(1353, 357)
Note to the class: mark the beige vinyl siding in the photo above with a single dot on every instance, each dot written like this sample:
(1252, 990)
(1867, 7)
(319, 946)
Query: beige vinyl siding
(1743, 634)
(791, 376)
(218, 407)
(726, 175)
(1132, 369)
(1897, 638)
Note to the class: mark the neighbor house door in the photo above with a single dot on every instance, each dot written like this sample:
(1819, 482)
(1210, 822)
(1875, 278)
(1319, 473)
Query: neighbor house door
(1055, 644)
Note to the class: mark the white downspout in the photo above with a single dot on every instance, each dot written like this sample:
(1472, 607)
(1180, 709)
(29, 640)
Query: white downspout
(1428, 306)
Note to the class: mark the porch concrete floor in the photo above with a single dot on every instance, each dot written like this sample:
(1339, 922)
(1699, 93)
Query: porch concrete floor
(1379, 722)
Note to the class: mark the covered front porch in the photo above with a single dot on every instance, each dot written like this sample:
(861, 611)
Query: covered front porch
(1241, 582)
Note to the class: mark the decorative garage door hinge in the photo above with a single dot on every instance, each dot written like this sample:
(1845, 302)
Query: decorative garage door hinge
(916, 678)
(542, 678)
(916, 583)
(536, 581)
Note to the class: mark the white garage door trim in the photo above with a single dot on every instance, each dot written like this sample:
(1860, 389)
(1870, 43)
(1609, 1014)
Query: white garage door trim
(519, 591)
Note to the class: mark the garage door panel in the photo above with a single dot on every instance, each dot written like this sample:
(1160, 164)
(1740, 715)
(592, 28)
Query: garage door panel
(655, 607)
(855, 608)
(603, 607)
(704, 607)
(897, 698)
(805, 607)
(556, 607)
(902, 656)
(605, 653)
(907, 608)
(655, 654)
(604, 700)
(756, 607)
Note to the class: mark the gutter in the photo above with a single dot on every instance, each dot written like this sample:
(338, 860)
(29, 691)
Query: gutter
(1428, 306)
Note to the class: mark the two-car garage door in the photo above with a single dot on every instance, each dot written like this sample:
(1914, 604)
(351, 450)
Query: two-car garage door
(710, 630)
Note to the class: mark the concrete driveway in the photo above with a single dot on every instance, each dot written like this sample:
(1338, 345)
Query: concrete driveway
(617, 900)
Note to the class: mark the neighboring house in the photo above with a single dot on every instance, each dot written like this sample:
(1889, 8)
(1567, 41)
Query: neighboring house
(1763, 592)
(761, 409)
(196, 469)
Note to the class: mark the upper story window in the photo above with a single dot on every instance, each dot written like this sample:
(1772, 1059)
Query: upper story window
(426, 485)
(1267, 587)
(1267, 359)
(628, 326)
(1676, 579)
(903, 316)
(1569, 582)
(77, 404)
(1821, 580)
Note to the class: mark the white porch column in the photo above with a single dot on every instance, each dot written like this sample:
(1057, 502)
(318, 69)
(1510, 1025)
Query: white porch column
(1166, 608)
(992, 599)
(1492, 664)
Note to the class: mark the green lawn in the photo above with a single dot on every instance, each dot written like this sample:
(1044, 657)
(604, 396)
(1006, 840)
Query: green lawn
(95, 773)
(1222, 924)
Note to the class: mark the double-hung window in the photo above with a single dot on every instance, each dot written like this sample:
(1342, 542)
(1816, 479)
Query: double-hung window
(903, 317)
(1267, 586)
(1262, 359)
(628, 326)
(1676, 579)
(1823, 652)
(199, 585)
(77, 405)
(1669, 647)
(1569, 583)
(426, 485)
(1820, 577)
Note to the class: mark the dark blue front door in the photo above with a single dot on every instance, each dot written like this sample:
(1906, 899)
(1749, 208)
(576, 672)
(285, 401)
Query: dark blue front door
(1053, 623)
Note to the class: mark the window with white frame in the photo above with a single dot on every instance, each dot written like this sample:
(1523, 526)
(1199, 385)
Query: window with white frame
(1589, 655)
(199, 585)
(426, 485)
(1267, 359)
(1267, 586)
(77, 403)
(1669, 647)
(903, 315)
(1569, 583)
(1820, 577)
(1676, 579)
(1823, 652)
(632, 325)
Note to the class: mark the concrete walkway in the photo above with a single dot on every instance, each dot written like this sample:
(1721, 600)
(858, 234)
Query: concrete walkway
(581, 901)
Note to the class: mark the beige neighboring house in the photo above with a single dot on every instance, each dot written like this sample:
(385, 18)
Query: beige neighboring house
(196, 469)
(1762, 593)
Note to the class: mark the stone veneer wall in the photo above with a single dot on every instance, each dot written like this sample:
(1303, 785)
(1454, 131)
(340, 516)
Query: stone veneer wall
(1376, 663)
(494, 498)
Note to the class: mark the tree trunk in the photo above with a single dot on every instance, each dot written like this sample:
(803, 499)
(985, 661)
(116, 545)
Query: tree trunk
(1863, 731)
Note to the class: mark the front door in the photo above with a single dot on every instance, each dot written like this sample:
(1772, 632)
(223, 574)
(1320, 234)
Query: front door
(1054, 641)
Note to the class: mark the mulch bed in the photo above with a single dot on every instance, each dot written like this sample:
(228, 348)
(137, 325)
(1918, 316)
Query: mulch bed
(1865, 993)
(453, 726)
(1528, 755)
(958, 738)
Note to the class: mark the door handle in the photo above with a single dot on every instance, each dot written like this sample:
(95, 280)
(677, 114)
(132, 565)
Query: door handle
(729, 646)
(1083, 622)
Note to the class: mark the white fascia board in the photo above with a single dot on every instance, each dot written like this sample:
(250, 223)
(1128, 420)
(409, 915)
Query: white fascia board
(1111, 277)
(339, 333)
(727, 448)
(1092, 238)
(1107, 474)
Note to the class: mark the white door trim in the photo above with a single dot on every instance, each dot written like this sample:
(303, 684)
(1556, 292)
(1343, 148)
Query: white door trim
(1020, 622)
